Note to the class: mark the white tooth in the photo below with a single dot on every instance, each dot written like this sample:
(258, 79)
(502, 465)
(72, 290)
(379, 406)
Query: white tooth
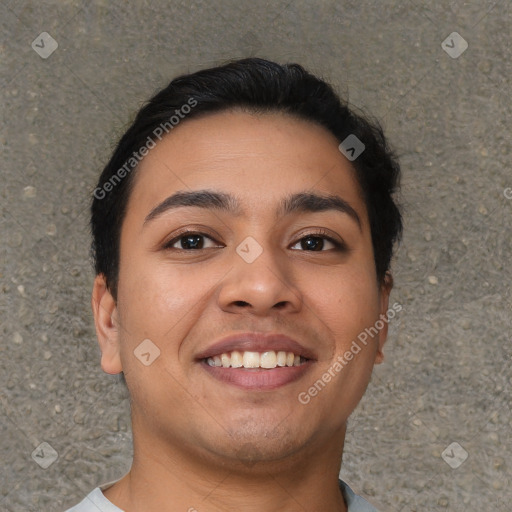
(236, 359)
(268, 359)
(251, 359)
(225, 359)
(210, 361)
(290, 358)
(217, 361)
(296, 361)
(281, 358)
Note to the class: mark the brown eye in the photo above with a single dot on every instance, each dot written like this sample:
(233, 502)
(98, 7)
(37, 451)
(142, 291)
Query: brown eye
(190, 241)
(315, 242)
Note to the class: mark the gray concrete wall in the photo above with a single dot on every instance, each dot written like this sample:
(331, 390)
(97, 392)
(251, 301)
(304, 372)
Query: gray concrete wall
(447, 375)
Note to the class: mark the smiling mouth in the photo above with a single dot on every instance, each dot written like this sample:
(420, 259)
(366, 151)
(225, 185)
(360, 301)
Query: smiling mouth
(257, 371)
(267, 360)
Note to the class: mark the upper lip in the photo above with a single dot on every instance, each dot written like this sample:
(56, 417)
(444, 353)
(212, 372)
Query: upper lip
(256, 342)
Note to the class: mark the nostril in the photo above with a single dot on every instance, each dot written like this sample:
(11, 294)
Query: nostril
(241, 303)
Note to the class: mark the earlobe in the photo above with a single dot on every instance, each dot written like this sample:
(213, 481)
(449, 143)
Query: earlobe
(107, 330)
(385, 291)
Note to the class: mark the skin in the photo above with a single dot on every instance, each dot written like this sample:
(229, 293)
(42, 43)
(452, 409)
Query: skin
(200, 443)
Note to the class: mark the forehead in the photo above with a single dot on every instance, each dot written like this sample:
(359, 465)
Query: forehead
(258, 158)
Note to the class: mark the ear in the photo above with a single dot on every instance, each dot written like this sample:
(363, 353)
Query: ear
(385, 290)
(107, 329)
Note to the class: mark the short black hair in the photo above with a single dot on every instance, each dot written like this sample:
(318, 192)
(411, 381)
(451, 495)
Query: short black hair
(258, 86)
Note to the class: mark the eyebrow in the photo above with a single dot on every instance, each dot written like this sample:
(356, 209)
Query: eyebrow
(303, 202)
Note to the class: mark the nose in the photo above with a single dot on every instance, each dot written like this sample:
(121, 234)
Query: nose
(260, 287)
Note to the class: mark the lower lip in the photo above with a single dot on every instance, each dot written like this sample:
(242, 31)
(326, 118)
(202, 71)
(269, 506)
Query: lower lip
(258, 378)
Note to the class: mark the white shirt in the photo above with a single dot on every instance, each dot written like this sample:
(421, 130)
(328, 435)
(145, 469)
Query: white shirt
(95, 501)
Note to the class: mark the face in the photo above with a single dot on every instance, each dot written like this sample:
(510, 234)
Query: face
(258, 259)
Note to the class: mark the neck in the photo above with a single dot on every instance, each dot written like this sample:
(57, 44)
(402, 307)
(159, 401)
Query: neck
(166, 477)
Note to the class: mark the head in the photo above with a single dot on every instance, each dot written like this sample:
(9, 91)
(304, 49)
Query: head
(245, 159)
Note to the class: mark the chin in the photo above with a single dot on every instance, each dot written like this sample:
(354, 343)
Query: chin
(262, 442)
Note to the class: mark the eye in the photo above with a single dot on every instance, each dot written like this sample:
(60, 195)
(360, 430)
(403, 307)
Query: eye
(194, 241)
(314, 242)
(190, 240)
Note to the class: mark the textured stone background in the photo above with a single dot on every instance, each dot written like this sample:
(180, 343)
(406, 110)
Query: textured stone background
(447, 375)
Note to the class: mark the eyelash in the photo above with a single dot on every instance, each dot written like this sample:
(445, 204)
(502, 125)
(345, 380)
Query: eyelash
(339, 246)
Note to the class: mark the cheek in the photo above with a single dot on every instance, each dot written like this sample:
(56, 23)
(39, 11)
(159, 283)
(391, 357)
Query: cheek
(161, 300)
(154, 299)
(155, 303)
(347, 300)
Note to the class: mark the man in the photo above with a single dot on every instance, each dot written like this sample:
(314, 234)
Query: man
(242, 233)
